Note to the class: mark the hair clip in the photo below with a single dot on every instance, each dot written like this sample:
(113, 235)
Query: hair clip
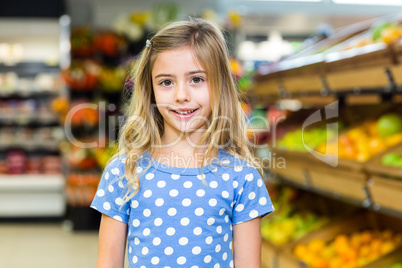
(148, 43)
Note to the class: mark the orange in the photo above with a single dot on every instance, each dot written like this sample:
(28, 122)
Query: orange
(300, 251)
(367, 236)
(387, 247)
(316, 245)
(390, 35)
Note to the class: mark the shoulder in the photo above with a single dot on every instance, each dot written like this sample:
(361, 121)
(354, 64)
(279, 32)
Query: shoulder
(236, 164)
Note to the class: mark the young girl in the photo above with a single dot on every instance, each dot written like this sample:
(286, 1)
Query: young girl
(183, 191)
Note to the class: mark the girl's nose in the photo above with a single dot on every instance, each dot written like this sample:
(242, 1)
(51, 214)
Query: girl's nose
(182, 93)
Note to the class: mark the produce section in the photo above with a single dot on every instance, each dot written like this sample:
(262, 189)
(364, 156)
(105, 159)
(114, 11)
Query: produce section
(342, 143)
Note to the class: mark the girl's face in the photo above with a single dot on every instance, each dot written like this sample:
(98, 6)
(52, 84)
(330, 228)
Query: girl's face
(181, 92)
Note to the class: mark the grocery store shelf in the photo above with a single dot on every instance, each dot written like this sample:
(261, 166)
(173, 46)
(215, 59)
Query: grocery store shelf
(32, 182)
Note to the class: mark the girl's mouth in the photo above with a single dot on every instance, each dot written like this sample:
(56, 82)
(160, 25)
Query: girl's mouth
(184, 113)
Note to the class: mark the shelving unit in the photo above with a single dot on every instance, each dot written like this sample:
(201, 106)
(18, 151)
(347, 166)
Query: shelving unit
(31, 172)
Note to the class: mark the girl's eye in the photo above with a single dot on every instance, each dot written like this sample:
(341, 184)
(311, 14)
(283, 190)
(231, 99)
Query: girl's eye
(166, 83)
(197, 80)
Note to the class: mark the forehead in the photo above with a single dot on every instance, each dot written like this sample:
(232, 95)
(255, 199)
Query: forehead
(176, 60)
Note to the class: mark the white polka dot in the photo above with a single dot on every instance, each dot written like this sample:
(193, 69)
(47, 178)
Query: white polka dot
(130, 249)
(188, 184)
(139, 169)
(107, 176)
(212, 202)
(100, 193)
(235, 184)
(210, 221)
(173, 193)
(225, 161)
(213, 184)
(186, 202)
(217, 265)
(170, 231)
(134, 204)
(253, 213)
(251, 195)
(168, 251)
(118, 201)
(249, 177)
(175, 176)
(183, 241)
(145, 251)
(197, 231)
(207, 259)
(161, 184)
(185, 221)
(159, 202)
(260, 182)
(201, 177)
(147, 212)
(230, 244)
(118, 218)
(158, 222)
(227, 218)
(121, 185)
(225, 176)
(225, 194)
(147, 193)
(115, 171)
(263, 201)
(224, 256)
(217, 248)
(221, 211)
(136, 241)
(196, 250)
(156, 241)
(106, 205)
(226, 237)
(200, 193)
(239, 207)
(231, 264)
(181, 260)
(110, 188)
(124, 160)
(209, 240)
(146, 232)
(135, 259)
(155, 260)
(238, 168)
(172, 211)
(199, 211)
(149, 176)
(219, 229)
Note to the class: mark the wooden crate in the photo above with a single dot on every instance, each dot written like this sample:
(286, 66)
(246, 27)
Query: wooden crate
(269, 254)
(295, 167)
(365, 78)
(345, 182)
(385, 182)
(396, 72)
(359, 222)
(303, 83)
(267, 87)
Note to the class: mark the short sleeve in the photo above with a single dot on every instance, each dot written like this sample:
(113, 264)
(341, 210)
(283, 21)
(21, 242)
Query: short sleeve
(111, 189)
(251, 197)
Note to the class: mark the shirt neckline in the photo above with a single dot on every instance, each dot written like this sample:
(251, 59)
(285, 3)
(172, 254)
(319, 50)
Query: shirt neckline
(184, 171)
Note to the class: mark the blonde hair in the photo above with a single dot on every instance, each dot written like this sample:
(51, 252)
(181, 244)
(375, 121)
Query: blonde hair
(144, 126)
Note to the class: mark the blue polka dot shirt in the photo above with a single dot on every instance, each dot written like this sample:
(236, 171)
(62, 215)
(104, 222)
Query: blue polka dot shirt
(176, 219)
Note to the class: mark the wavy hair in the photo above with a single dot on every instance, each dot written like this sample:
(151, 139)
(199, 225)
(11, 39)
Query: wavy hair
(144, 126)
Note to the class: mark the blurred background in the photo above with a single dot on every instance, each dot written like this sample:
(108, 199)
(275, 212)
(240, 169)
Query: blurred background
(322, 81)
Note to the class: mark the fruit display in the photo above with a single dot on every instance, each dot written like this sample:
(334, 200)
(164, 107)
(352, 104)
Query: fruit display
(348, 250)
(81, 75)
(81, 188)
(290, 222)
(397, 265)
(363, 141)
(111, 79)
(392, 159)
(304, 140)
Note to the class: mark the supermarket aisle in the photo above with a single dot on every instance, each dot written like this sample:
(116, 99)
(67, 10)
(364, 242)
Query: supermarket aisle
(46, 245)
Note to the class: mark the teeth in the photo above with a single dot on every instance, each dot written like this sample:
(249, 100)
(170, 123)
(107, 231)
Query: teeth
(185, 112)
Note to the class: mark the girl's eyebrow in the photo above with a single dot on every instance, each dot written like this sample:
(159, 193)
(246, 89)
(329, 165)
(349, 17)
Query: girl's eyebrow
(189, 73)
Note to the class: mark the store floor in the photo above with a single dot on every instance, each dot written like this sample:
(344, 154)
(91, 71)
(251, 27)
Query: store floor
(46, 245)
